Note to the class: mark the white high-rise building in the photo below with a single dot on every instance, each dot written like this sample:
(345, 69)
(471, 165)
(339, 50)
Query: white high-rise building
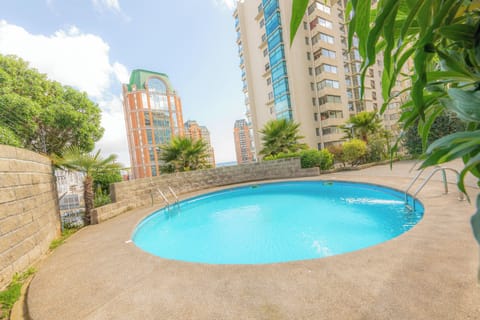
(315, 81)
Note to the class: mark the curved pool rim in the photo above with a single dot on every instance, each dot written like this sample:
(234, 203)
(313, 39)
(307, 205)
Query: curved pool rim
(220, 189)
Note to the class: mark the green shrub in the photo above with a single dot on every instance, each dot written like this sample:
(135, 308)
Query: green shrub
(337, 151)
(101, 198)
(281, 155)
(354, 151)
(377, 149)
(316, 158)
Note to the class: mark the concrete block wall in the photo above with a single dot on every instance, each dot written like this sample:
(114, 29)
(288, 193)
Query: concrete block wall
(144, 192)
(29, 214)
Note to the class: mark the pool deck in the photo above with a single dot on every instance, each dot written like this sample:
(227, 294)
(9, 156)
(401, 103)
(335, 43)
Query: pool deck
(430, 272)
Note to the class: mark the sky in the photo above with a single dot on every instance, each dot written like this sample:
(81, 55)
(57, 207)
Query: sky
(93, 45)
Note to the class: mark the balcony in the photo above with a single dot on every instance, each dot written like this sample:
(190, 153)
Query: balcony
(332, 137)
(331, 122)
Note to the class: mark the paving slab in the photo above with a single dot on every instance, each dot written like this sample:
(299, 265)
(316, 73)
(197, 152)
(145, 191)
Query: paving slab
(429, 272)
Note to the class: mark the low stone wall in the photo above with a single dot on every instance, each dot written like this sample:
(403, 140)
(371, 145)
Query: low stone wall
(145, 192)
(29, 214)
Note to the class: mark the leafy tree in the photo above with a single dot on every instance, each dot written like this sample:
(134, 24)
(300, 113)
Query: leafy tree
(281, 136)
(443, 125)
(44, 115)
(441, 39)
(184, 154)
(92, 165)
(9, 138)
(362, 125)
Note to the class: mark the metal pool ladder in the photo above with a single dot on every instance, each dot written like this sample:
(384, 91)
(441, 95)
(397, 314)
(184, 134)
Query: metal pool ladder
(461, 195)
(164, 197)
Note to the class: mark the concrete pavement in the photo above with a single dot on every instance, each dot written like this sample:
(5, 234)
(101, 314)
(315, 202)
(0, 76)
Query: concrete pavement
(428, 272)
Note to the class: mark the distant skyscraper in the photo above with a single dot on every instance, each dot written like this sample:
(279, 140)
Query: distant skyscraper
(195, 132)
(153, 115)
(315, 81)
(243, 143)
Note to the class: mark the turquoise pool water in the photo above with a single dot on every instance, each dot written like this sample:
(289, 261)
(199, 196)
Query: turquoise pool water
(276, 222)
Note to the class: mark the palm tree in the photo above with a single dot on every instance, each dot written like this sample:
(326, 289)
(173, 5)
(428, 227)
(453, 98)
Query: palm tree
(75, 159)
(281, 136)
(361, 125)
(184, 154)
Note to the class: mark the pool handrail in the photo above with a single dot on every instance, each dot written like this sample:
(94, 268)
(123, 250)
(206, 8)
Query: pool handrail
(461, 195)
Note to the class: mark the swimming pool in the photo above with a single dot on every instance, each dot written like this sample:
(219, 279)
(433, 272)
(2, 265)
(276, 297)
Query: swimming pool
(276, 222)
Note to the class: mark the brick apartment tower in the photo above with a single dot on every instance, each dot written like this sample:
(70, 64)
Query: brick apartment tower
(315, 81)
(243, 142)
(195, 132)
(153, 115)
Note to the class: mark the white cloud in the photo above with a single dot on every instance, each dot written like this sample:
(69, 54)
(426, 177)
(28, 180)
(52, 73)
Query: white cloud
(107, 4)
(121, 72)
(81, 61)
(69, 56)
(229, 4)
(110, 5)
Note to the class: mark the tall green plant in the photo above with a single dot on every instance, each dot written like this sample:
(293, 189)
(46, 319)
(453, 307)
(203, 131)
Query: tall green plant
(91, 164)
(441, 40)
(281, 136)
(362, 125)
(184, 154)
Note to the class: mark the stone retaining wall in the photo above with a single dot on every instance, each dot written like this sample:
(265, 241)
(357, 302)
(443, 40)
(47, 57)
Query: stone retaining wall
(145, 192)
(29, 214)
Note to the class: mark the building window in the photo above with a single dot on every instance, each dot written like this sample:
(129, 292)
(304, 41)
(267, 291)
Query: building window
(262, 23)
(325, 23)
(320, 6)
(322, 37)
(317, 132)
(310, 71)
(328, 83)
(305, 25)
(370, 72)
(329, 68)
(315, 116)
(265, 52)
(349, 94)
(307, 41)
(323, 7)
(156, 85)
(269, 81)
(312, 86)
(309, 56)
(270, 96)
(260, 7)
(329, 99)
(324, 52)
(372, 84)
(374, 95)
(314, 101)
(264, 37)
